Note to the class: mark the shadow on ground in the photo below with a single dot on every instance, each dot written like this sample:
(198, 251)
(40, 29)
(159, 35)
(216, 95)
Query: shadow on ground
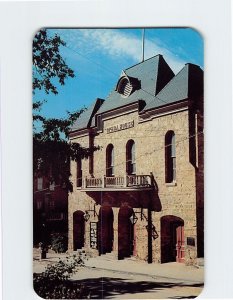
(106, 287)
(183, 297)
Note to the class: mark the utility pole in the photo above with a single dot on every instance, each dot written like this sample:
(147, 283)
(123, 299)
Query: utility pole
(149, 259)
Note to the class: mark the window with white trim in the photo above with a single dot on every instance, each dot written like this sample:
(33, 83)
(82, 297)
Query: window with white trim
(130, 158)
(170, 157)
(79, 173)
(110, 160)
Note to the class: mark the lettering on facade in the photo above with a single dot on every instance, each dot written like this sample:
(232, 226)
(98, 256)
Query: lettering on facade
(120, 127)
(93, 235)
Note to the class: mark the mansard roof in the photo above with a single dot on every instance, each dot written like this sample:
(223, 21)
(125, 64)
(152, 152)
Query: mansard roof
(152, 81)
(152, 74)
(188, 83)
(86, 117)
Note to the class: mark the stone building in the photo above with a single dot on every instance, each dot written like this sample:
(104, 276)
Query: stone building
(142, 193)
(50, 209)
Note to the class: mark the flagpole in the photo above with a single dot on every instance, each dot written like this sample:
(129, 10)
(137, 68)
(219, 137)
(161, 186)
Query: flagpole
(143, 43)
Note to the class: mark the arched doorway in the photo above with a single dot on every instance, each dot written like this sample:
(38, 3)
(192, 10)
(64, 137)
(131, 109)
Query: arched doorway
(78, 229)
(105, 230)
(172, 239)
(125, 232)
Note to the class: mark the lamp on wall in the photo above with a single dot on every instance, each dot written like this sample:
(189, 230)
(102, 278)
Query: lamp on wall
(87, 215)
(134, 218)
(154, 232)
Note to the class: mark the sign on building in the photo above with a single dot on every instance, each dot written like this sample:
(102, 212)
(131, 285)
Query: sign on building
(93, 234)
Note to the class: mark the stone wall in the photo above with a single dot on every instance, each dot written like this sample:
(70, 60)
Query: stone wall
(176, 199)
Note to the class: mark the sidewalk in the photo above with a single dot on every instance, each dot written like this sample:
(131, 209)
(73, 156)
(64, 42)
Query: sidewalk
(177, 271)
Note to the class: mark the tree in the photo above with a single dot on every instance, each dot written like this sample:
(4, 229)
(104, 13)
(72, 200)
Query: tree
(51, 150)
(48, 63)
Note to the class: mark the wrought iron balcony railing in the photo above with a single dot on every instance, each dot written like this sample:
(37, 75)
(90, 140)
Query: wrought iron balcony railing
(118, 182)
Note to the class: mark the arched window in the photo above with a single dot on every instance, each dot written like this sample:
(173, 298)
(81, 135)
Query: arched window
(130, 158)
(110, 160)
(79, 172)
(170, 157)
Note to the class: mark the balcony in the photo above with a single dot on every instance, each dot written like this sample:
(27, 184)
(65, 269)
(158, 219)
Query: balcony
(121, 183)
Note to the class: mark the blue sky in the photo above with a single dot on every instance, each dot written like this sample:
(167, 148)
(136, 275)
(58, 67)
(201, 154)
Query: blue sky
(98, 56)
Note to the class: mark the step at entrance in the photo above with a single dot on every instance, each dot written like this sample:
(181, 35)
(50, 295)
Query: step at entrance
(109, 256)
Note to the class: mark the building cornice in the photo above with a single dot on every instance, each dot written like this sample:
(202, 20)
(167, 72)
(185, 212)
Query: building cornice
(172, 108)
(79, 133)
(118, 112)
(101, 117)
(144, 116)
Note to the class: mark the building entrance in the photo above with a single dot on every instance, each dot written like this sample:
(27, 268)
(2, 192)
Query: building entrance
(78, 229)
(125, 233)
(105, 230)
(172, 239)
(180, 250)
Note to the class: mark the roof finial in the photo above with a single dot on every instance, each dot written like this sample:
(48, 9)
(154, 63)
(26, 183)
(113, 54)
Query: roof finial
(143, 42)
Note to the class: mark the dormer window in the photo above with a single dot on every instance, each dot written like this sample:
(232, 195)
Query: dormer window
(124, 87)
(127, 85)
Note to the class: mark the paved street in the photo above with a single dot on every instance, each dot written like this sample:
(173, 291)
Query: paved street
(107, 278)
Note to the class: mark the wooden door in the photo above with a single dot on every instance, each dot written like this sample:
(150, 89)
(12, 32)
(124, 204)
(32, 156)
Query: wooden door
(180, 250)
(125, 233)
(105, 230)
(78, 230)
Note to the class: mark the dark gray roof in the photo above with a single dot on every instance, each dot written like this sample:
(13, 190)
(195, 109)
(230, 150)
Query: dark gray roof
(156, 85)
(86, 118)
(187, 83)
(153, 74)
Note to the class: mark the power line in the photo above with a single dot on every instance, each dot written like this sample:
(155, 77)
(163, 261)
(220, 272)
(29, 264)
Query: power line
(154, 96)
(133, 137)
(100, 171)
(113, 73)
(92, 61)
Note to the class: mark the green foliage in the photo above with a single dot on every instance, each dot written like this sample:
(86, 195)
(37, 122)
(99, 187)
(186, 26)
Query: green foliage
(59, 242)
(54, 282)
(51, 150)
(48, 62)
(52, 156)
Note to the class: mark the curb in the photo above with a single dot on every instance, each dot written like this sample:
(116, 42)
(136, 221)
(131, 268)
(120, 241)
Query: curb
(143, 274)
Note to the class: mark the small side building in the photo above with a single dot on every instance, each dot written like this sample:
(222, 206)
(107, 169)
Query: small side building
(142, 193)
(50, 210)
